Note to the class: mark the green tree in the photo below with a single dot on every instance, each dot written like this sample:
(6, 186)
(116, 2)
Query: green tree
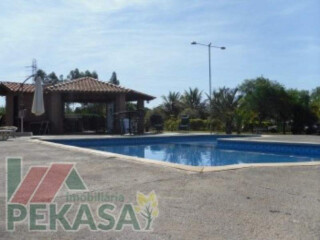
(52, 78)
(315, 101)
(302, 114)
(61, 78)
(282, 108)
(247, 119)
(2, 110)
(47, 78)
(94, 74)
(114, 79)
(2, 114)
(224, 105)
(265, 98)
(171, 105)
(76, 73)
(91, 108)
(41, 73)
(192, 103)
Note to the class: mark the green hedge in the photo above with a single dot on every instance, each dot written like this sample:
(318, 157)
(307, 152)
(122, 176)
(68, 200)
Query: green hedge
(2, 110)
(195, 125)
(171, 125)
(199, 125)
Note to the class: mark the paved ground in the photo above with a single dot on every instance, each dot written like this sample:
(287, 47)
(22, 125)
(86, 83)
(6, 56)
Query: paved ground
(252, 203)
(254, 137)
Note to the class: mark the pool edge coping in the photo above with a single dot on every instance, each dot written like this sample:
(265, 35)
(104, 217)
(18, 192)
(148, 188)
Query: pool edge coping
(195, 169)
(264, 140)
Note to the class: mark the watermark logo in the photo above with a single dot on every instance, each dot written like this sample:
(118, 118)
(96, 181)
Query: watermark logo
(147, 207)
(41, 184)
(31, 199)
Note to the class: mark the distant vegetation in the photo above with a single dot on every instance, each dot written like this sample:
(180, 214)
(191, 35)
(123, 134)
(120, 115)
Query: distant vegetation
(2, 113)
(255, 105)
(2, 110)
(85, 109)
(52, 77)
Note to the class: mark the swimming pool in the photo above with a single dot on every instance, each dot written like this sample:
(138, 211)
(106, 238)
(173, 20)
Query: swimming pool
(205, 150)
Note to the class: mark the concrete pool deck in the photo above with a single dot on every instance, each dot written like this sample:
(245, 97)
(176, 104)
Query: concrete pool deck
(248, 203)
(283, 139)
(251, 137)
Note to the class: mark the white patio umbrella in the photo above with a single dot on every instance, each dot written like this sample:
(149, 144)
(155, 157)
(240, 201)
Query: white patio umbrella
(38, 105)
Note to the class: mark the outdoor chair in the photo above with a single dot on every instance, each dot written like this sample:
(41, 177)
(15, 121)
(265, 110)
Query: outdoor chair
(44, 127)
(134, 125)
(9, 129)
(125, 126)
(156, 122)
(4, 135)
(184, 123)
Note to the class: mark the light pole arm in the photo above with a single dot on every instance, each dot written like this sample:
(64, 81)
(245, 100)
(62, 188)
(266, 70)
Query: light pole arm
(21, 85)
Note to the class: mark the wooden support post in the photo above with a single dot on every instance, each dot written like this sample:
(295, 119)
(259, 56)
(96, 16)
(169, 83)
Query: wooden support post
(56, 113)
(140, 107)
(120, 106)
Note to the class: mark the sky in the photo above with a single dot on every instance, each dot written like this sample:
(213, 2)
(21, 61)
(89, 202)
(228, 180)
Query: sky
(147, 42)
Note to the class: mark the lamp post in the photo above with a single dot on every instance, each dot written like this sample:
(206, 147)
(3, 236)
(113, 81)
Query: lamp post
(209, 46)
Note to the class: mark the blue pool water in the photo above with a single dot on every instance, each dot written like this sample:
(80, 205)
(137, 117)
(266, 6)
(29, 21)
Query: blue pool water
(200, 150)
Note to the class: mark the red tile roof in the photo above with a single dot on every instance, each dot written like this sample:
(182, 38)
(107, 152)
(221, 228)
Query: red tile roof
(83, 85)
(86, 84)
(18, 87)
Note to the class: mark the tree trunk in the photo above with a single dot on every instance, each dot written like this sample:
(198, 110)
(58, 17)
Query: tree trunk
(228, 127)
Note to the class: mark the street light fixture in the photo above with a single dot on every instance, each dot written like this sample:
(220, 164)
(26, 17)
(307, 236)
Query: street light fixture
(209, 46)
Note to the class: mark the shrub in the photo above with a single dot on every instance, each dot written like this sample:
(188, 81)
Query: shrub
(192, 113)
(195, 125)
(171, 124)
(149, 114)
(2, 110)
(199, 124)
(2, 114)
(156, 122)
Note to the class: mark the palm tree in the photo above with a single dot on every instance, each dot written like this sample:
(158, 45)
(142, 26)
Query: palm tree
(224, 104)
(192, 102)
(192, 98)
(172, 104)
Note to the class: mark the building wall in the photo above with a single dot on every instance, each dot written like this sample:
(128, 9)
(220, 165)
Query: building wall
(120, 106)
(140, 107)
(12, 117)
(55, 113)
(9, 110)
(26, 100)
